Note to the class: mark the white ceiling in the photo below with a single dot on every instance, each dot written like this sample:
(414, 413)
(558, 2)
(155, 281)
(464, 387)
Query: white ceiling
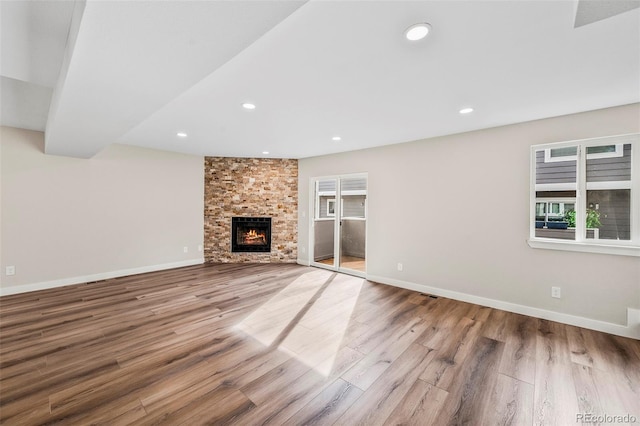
(139, 72)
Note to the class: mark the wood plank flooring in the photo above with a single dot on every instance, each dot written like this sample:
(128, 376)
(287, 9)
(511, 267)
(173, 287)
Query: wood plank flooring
(349, 262)
(251, 344)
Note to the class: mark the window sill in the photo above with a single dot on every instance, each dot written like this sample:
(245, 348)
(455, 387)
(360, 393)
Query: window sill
(620, 250)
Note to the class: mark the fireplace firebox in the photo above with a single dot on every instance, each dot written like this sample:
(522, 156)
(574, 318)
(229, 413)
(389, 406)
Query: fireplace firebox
(250, 234)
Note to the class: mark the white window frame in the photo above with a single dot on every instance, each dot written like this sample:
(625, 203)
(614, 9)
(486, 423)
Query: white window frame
(619, 152)
(582, 244)
(329, 201)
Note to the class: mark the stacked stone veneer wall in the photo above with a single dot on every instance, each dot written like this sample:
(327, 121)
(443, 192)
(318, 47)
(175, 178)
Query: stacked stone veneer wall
(250, 187)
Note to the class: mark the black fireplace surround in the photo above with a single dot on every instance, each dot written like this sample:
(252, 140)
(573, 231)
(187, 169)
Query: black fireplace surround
(250, 234)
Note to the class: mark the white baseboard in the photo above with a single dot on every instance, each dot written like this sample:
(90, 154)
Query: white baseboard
(632, 329)
(5, 291)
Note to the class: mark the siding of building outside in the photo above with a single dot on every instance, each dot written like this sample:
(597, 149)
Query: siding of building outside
(352, 206)
(598, 169)
(615, 212)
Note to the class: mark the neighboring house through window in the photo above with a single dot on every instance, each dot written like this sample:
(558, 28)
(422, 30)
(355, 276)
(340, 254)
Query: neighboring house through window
(585, 195)
(353, 201)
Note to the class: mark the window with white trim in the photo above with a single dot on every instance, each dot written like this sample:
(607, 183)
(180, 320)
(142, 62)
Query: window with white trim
(331, 207)
(552, 155)
(585, 195)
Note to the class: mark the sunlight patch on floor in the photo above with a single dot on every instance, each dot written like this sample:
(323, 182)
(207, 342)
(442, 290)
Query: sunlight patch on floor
(308, 318)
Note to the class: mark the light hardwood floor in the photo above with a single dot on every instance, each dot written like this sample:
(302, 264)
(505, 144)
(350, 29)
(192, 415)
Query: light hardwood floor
(350, 262)
(286, 344)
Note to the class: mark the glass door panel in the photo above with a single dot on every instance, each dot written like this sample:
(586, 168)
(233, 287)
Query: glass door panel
(556, 186)
(608, 212)
(324, 222)
(353, 223)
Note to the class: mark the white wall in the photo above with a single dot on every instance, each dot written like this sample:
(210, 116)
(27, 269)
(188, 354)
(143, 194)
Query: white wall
(471, 193)
(66, 220)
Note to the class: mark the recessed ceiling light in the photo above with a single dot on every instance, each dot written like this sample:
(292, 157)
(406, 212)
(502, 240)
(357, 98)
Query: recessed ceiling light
(248, 106)
(336, 138)
(265, 152)
(181, 134)
(417, 31)
(466, 110)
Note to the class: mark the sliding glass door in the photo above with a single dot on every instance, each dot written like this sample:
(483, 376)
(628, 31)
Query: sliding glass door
(323, 226)
(339, 223)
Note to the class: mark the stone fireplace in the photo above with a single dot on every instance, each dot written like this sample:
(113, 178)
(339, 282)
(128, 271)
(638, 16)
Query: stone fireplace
(250, 188)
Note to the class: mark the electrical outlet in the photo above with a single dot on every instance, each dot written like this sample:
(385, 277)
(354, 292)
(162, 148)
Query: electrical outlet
(10, 270)
(199, 247)
(186, 249)
(399, 266)
(555, 292)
